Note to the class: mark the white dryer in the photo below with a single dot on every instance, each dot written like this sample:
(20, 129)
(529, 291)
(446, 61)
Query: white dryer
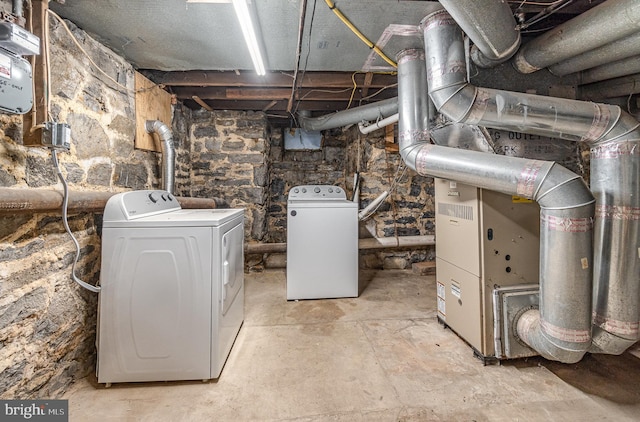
(172, 289)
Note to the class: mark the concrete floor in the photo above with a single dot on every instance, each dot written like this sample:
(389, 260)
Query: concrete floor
(380, 357)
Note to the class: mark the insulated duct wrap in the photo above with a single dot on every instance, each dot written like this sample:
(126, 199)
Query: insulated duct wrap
(615, 167)
(374, 111)
(605, 23)
(494, 43)
(413, 104)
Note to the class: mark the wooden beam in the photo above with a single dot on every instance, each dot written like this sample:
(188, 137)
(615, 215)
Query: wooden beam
(281, 105)
(201, 102)
(367, 83)
(272, 80)
(39, 113)
(215, 93)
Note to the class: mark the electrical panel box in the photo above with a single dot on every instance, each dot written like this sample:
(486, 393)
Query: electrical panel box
(486, 241)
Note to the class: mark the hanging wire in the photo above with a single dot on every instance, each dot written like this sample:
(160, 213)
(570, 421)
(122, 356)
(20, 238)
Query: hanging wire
(65, 205)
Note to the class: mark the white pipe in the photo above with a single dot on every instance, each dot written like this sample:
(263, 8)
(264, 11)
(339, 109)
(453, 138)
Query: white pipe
(378, 125)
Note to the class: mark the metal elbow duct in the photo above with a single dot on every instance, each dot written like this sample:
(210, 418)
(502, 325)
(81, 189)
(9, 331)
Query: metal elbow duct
(490, 25)
(168, 152)
(560, 330)
(373, 111)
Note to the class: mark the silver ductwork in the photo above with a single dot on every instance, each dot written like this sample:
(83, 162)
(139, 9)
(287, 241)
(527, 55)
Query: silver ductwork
(168, 152)
(612, 88)
(605, 23)
(561, 329)
(494, 43)
(624, 67)
(374, 111)
(617, 50)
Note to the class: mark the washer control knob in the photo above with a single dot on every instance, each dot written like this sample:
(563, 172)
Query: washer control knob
(330, 190)
(337, 190)
(304, 190)
(296, 190)
(316, 189)
(153, 197)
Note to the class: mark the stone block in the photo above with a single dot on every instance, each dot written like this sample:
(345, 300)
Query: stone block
(276, 260)
(394, 263)
(40, 172)
(424, 268)
(247, 158)
(99, 174)
(205, 131)
(124, 126)
(88, 136)
(75, 174)
(132, 176)
(6, 178)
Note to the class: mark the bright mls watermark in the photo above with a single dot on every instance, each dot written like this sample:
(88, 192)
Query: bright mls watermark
(34, 410)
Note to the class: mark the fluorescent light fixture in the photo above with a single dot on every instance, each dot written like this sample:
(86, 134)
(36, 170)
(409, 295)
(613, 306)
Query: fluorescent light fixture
(248, 30)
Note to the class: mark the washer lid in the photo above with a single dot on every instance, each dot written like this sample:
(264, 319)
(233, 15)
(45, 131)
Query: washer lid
(320, 203)
(316, 193)
(183, 218)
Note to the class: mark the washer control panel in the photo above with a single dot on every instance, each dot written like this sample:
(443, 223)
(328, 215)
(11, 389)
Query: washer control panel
(311, 192)
(139, 203)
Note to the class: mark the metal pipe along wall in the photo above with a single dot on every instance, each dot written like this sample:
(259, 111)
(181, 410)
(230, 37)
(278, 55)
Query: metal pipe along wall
(168, 152)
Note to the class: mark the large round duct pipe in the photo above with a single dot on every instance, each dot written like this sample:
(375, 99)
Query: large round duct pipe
(605, 23)
(560, 330)
(374, 111)
(624, 67)
(490, 25)
(612, 88)
(413, 105)
(617, 50)
(168, 152)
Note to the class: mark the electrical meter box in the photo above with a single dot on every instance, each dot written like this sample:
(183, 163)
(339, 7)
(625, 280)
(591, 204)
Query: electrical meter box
(16, 92)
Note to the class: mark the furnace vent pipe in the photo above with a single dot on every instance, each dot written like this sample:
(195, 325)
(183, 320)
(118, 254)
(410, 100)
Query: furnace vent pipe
(373, 111)
(560, 330)
(490, 25)
(605, 23)
(617, 50)
(612, 88)
(168, 152)
(624, 67)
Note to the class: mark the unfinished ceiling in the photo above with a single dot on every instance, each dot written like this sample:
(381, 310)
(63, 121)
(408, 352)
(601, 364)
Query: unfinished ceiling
(197, 51)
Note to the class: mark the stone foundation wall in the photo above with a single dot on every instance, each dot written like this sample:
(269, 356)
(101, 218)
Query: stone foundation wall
(47, 322)
(229, 153)
(407, 212)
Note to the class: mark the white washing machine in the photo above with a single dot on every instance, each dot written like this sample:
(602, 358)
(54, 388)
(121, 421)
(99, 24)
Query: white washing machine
(172, 280)
(322, 243)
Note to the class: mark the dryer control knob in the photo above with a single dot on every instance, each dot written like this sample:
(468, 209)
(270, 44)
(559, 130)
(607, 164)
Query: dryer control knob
(304, 190)
(316, 189)
(153, 197)
(169, 197)
(337, 190)
(296, 190)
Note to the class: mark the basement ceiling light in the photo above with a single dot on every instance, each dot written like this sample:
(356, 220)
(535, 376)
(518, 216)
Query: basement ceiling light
(246, 17)
(248, 30)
